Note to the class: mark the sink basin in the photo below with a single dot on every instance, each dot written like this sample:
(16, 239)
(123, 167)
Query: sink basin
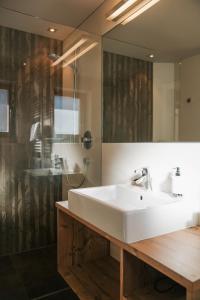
(129, 213)
(50, 172)
(44, 172)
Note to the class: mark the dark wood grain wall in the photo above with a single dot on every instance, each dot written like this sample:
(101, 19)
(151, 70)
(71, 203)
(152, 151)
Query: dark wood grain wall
(27, 213)
(127, 99)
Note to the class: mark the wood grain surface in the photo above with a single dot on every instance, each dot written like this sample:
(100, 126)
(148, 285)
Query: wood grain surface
(176, 255)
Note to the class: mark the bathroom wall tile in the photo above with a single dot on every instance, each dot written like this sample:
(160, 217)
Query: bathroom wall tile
(27, 219)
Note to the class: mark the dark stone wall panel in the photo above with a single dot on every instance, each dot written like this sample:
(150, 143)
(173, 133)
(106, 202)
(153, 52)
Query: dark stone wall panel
(127, 99)
(27, 212)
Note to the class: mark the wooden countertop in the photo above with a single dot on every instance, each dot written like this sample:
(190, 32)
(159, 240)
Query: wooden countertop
(176, 255)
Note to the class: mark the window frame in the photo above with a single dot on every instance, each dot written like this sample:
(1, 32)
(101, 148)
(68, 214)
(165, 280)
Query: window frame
(6, 86)
(67, 138)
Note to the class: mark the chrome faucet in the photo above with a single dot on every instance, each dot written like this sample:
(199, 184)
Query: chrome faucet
(58, 162)
(142, 178)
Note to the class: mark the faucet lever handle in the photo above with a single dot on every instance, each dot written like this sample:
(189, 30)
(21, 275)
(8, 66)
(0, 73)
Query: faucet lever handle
(142, 178)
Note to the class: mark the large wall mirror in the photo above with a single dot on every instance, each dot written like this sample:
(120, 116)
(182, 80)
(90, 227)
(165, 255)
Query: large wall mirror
(151, 76)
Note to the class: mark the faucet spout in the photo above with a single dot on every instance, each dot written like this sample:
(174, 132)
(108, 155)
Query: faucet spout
(142, 178)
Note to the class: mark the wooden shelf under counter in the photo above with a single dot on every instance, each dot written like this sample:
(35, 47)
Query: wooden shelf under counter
(95, 280)
(84, 262)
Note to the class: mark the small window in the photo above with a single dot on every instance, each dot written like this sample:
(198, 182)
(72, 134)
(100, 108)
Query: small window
(4, 110)
(66, 116)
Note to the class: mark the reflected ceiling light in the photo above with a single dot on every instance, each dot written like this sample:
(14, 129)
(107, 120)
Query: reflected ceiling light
(52, 29)
(120, 9)
(70, 51)
(139, 9)
(151, 55)
(91, 46)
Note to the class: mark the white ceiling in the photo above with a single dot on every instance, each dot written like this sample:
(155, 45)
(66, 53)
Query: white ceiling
(33, 25)
(170, 29)
(37, 16)
(65, 12)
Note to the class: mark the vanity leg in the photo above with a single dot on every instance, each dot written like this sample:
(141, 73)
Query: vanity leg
(193, 295)
(64, 242)
(132, 275)
(121, 274)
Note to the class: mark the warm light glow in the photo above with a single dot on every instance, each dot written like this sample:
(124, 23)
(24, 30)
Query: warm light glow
(80, 54)
(116, 13)
(151, 55)
(139, 10)
(52, 29)
(70, 51)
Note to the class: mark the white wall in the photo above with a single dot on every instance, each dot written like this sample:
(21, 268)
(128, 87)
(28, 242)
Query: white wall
(120, 160)
(74, 154)
(163, 101)
(189, 123)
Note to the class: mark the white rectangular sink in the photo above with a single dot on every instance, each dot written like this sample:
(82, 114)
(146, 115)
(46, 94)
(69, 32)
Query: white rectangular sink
(129, 213)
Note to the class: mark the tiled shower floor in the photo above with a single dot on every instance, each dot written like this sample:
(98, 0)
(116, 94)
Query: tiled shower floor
(33, 275)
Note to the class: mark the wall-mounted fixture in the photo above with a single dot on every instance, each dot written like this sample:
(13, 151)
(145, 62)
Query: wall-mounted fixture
(53, 56)
(87, 140)
(128, 10)
(120, 8)
(70, 51)
(81, 53)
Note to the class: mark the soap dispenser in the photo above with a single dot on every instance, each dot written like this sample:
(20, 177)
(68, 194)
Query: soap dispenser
(176, 182)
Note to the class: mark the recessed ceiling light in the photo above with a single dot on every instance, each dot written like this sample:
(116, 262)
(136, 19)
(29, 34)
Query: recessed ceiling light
(52, 29)
(151, 55)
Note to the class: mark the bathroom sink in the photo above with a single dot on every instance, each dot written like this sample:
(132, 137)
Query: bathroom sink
(129, 213)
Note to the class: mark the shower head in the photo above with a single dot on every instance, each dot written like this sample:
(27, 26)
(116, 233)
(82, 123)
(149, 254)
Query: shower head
(53, 56)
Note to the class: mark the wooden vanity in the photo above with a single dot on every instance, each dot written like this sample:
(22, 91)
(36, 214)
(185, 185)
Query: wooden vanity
(84, 261)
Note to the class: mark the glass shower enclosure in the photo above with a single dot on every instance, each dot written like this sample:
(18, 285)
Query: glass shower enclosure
(50, 100)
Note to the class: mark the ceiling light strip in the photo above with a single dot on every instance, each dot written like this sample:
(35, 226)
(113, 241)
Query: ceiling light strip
(80, 54)
(117, 12)
(139, 10)
(70, 51)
